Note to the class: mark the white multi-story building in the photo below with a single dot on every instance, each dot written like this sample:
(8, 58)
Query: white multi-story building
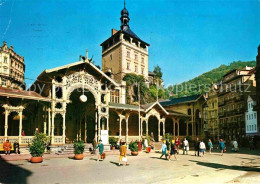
(251, 116)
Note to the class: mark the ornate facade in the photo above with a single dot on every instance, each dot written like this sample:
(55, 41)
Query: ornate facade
(12, 68)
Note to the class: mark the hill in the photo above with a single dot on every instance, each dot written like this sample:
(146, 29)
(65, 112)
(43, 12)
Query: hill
(201, 83)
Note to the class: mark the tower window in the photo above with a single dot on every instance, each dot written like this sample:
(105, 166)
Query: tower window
(136, 69)
(128, 66)
(5, 59)
(136, 57)
(128, 54)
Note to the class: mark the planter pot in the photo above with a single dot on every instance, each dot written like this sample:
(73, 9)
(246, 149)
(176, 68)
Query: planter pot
(148, 149)
(134, 153)
(36, 159)
(79, 156)
(113, 148)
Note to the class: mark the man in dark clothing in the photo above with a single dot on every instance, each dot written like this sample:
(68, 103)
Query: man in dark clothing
(16, 147)
(197, 147)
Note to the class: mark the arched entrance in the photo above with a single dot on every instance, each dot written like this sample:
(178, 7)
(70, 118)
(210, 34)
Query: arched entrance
(144, 128)
(169, 126)
(113, 123)
(153, 127)
(133, 124)
(182, 127)
(80, 117)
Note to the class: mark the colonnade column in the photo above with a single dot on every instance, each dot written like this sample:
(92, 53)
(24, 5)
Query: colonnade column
(164, 128)
(49, 122)
(20, 125)
(96, 127)
(52, 128)
(6, 122)
(173, 120)
(63, 128)
(126, 130)
(120, 127)
(178, 122)
(159, 123)
(146, 121)
(99, 129)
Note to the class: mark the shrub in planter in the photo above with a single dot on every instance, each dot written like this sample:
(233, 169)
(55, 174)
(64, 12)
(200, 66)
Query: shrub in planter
(113, 142)
(79, 148)
(133, 146)
(38, 146)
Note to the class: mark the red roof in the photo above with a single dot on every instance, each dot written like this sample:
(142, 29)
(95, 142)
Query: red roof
(16, 93)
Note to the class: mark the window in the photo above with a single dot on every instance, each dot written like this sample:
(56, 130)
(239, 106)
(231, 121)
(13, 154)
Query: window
(114, 96)
(255, 127)
(246, 117)
(128, 54)
(136, 57)
(136, 69)
(142, 70)
(5, 70)
(255, 115)
(128, 66)
(3, 82)
(5, 59)
(143, 60)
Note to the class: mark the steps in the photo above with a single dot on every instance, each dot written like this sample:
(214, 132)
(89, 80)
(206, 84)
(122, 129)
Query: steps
(69, 149)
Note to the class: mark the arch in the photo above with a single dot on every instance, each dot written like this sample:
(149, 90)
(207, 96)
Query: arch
(190, 129)
(58, 119)
(169, 126)
(123, 127)
(133, 124)
(182, 127)
(161, 128)
(153, 127)
(13, 124)
(144, 128)
(113, 123)
(81, 86)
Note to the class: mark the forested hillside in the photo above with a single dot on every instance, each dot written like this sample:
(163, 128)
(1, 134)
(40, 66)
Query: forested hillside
(201, 83)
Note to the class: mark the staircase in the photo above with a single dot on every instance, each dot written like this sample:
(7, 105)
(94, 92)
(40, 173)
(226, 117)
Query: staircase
(69, 149)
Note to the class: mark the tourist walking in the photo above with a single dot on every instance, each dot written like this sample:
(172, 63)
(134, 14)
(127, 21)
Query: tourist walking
(122, 156)
(235, 145)
(222, 146)
(7, 147)
(197, 147)
(168, 146)
(210, 145)
(202, 148)
(101, 149)
(178, 143)
(185, 146)
(164, 150)
(173, 150)
(16, 147)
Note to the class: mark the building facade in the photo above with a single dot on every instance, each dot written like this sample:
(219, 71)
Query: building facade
(234, 89)
(124, 52)
(12, 68)
(257, 77)
(251, 116)
(211, 113)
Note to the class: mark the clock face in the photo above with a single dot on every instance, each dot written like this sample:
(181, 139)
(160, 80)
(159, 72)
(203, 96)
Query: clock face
(83, 98)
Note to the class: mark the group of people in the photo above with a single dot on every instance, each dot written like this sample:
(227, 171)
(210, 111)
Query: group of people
(8, 146)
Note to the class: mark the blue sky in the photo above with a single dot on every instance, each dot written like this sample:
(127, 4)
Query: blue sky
(187, 37)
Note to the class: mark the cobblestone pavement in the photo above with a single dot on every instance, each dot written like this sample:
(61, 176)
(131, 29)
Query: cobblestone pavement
(144, 168)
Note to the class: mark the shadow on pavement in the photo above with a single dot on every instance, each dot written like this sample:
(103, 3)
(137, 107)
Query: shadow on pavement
(222, 166)
(12, 173)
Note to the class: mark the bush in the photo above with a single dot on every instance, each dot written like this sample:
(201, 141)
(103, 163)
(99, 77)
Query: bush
(168, 136)
(79, 147)
(39, 143)
(133, 146)
(113, 141)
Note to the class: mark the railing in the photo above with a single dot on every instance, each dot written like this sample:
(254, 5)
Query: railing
(58, 139)
(26, 139)
(12, 139)
(2, 140)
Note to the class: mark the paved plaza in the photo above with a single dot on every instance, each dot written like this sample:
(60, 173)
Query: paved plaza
(145, 168)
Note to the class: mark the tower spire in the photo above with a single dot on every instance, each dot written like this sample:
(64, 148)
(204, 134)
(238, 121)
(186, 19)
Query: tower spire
(124, 18)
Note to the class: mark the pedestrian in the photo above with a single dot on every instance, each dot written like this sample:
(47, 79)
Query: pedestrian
(164, 150)
(168, 146)
(210, 146)
(36, 131)
(145, 143)
(251, 144)
(173, 150)
(197, 147)
(123, 156)
(16, 147)
(23, 133)
(178, 143)
(202, 148)
(7, 147)
(222, 146)
(185, 146)
(235, 145)
(101, 149)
